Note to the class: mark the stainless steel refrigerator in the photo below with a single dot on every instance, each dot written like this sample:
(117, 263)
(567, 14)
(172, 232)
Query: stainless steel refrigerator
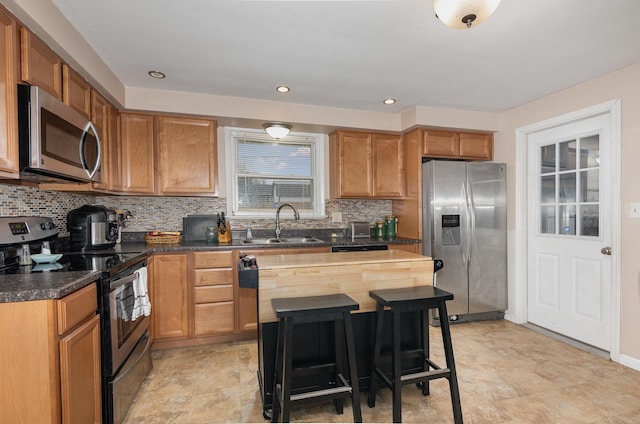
(464, 212)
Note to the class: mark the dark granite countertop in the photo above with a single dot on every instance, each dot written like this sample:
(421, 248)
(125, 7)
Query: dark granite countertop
(45, 285)
(55, 285)
(238, 244)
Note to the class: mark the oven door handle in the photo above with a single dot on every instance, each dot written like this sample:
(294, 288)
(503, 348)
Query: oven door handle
(121, 282)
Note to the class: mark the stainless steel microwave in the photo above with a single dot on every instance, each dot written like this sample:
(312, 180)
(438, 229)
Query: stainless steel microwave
(57, 143)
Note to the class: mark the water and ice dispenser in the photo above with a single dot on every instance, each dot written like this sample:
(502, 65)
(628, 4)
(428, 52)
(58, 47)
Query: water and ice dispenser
(450, 230)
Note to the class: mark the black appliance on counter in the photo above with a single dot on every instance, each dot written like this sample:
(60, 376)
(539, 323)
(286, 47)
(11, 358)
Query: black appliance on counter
(92, 227)
(124, 339)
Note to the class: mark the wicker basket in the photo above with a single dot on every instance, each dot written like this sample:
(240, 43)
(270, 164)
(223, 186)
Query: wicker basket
(162, 238)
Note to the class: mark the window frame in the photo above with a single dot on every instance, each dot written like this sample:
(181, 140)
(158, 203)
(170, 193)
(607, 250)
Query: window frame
(317, 142)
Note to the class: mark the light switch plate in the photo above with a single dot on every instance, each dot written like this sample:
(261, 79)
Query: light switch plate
(336, 216)
(634, 210)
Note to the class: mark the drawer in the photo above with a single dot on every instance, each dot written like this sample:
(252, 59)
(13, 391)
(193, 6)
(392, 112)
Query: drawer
(214, 318)
(212, 276)
(208, 294)
(213, 259)
(76, 307)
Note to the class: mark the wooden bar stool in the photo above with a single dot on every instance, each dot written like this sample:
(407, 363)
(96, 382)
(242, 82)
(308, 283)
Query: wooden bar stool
(413, 299)
(299, 310)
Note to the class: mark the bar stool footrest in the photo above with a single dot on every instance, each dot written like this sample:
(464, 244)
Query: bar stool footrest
(425, 375)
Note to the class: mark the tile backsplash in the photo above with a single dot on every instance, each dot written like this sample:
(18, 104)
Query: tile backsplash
(166, 213)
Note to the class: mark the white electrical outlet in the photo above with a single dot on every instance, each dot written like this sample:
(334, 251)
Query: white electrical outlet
(336, 216)
(634, 210)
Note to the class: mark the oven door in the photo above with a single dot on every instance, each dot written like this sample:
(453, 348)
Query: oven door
(126, 329)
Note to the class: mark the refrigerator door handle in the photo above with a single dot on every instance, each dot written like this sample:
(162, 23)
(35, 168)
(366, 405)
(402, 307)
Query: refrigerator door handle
(464, 239)
(471, 211)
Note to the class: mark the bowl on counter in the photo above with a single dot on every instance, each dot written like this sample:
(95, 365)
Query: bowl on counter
(43, 258)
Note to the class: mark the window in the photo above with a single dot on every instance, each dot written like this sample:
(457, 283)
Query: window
(570, 187)
(265, 173)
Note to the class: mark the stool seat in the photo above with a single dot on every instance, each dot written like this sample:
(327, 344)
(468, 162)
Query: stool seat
(310, 309)
(301, 306)
(413, 299)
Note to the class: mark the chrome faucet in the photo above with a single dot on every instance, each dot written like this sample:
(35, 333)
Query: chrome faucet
(296, 215)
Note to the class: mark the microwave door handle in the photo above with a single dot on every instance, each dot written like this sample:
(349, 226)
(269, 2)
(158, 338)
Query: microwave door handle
(87, 128)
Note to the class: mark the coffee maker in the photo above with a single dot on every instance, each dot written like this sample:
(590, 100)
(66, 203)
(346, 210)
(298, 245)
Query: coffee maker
(92, 227)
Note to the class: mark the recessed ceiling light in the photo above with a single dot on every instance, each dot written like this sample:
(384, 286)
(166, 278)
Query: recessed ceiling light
(389, 101)
(282, 89)
(157, 74)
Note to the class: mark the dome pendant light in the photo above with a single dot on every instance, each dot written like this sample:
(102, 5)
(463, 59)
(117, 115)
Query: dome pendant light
(277, 130)
(461, 14)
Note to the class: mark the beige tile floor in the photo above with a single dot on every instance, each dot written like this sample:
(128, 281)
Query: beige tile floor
(507, 374)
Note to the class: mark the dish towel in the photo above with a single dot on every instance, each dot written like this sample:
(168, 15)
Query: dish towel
(141, 305)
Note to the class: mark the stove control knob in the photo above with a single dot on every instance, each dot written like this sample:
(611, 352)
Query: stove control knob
(47, 225)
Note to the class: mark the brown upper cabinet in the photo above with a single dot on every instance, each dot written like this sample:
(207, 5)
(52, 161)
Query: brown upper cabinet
(365, 165)
(457, 145)
(9, 167)
(76, 91)
(105, 117)
(136, 150)
(40, 65)
(182, 150)
(187, 156)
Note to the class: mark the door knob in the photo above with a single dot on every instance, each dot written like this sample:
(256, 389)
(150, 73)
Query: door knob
(606, 251)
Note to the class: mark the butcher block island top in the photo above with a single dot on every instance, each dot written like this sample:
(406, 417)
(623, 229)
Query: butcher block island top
(351, 273)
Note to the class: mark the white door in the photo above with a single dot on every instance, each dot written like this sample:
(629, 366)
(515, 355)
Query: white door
(569, 230)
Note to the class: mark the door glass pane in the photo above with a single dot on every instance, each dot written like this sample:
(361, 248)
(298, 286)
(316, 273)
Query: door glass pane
(590, 151)
(548, 189)
(589, 219)
(548, 220)
(567, 155)
(590, 185)
(567, 188)
(568, 220)
(547, 159)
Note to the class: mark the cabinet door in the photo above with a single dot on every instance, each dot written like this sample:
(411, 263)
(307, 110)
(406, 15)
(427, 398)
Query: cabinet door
(40, 65)
(169, 305)
(353, 166)
(387, 165)
(100, 118)
(8, 97)
(187, 155)
(443, 144)
(214, 318)
(476, 146)
(136, 149)
(76, 91)
(114, 154)
(80, 374)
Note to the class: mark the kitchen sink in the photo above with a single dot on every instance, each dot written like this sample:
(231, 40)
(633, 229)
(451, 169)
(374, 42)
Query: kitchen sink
(284, 240)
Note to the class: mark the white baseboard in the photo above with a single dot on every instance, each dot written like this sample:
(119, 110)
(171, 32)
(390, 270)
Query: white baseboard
(630, 362)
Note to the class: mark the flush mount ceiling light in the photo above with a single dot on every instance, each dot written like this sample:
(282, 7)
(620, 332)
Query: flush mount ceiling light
(389, 101)
(282, 89)
(461, 14)
(277, 130)
(157, 74)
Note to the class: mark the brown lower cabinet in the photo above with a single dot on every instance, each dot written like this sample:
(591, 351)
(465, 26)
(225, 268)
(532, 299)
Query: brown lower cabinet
(50, 360)
(169, 297)
(195, 297)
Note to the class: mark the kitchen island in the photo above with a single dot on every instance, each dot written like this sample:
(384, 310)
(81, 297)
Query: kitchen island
(351, 273)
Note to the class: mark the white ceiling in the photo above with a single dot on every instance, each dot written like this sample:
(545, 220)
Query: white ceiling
(353, 54)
